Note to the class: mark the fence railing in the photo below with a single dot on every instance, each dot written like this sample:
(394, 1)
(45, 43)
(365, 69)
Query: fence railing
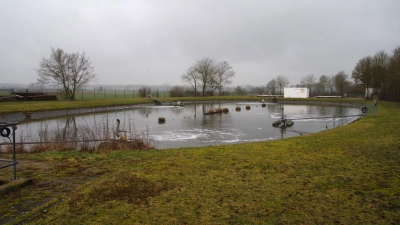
(83, 94)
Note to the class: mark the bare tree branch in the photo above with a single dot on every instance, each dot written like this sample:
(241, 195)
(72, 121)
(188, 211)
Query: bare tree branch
(281, 81)
(191, 77)
(70, 71)
(223, 76)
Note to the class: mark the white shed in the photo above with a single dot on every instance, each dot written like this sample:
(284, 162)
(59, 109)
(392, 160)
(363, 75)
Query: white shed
(296, 93)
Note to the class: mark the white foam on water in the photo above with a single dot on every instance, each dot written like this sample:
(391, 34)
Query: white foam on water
(276, 115)
(249, 103)
(201, 135)
(231, 141)
(179, 135)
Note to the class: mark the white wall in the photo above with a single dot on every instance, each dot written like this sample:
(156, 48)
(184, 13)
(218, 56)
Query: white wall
(296, 93)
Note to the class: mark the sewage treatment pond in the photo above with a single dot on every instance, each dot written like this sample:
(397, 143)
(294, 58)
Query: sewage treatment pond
(188, 126)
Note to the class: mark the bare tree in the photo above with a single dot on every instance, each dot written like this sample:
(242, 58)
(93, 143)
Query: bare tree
(144, 91)
(362, 73)
(394, 74)
(191, 77)
(271, 87)
(331, 83)
(308, 81)
(223, 76)
(323, 83)
(206, 70)
(71, 71)
(341, 82)
(380, 64)
(281, 81)
(177, 91)
(209, 75)
(374, 72)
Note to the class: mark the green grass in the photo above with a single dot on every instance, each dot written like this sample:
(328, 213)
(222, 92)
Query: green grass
(34, 106)
(4, 93)
(347, 175)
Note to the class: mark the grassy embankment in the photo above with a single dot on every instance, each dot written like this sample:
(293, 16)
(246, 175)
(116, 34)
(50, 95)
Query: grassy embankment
(34, 106)
(347, 175)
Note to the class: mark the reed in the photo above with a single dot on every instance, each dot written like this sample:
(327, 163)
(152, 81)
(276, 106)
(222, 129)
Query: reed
(88, 136)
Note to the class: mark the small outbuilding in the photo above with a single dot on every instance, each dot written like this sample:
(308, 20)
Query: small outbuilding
(296, 93)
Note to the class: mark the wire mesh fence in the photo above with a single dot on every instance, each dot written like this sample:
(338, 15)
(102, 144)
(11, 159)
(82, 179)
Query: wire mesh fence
(87, 94)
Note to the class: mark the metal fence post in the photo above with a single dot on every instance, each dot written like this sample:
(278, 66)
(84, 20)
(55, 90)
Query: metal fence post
(334, 120)
(14, 127)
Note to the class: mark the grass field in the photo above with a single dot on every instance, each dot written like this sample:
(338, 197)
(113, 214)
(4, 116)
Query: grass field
(33, 106)
(347, 175)
(127, 94)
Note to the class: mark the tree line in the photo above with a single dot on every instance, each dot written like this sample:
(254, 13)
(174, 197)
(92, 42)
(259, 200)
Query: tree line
(380, 73)
(323, 85)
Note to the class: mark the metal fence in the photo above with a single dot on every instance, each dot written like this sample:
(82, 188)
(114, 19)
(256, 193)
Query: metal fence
(86, 94)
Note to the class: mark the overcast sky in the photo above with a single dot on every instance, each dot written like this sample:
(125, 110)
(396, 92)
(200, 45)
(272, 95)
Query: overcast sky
(153, 42)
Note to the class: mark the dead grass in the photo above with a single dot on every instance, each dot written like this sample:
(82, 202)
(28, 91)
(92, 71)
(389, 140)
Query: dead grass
(118, 186)
(138, 144)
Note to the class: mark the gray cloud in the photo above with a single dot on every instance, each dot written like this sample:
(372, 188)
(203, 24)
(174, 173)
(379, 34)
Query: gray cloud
(153, 42)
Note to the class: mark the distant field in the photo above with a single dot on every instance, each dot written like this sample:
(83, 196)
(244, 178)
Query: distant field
(4, 93)
(87, 95)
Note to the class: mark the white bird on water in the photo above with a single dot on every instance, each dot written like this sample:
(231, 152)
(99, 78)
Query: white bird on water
(120, 133)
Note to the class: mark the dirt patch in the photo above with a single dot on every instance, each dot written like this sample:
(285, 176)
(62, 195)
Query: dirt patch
(120, 185)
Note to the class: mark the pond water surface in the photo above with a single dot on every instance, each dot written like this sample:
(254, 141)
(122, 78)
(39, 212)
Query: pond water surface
(187, 126)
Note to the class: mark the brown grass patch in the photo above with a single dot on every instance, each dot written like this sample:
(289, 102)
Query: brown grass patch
(130, 145)
(120, 185)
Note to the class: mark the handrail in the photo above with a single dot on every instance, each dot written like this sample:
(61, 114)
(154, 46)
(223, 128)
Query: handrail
(6, 132)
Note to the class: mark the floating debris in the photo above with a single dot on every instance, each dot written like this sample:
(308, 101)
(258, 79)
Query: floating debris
(161, 120)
